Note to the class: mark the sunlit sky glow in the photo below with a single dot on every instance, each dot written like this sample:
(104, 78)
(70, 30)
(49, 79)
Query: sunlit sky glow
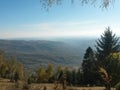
(26, 19)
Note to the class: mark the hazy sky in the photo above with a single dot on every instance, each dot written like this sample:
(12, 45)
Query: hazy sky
(26, 19)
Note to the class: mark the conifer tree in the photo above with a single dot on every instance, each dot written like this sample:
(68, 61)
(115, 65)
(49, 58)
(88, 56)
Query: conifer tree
(89, 68)
(108, 43)
(89, 53)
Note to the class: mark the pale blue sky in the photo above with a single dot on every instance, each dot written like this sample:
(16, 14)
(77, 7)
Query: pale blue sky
(26, 19)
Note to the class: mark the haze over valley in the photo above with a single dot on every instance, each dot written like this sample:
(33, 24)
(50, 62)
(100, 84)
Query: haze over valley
(36, 53)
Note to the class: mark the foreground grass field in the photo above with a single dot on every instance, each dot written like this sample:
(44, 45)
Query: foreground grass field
(7, 85)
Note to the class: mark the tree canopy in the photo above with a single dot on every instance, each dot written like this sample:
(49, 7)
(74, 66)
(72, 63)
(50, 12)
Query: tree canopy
(112, 66)
(89, 68)
(108, 56)
(101, 3)
(107, 44)
(11, 69)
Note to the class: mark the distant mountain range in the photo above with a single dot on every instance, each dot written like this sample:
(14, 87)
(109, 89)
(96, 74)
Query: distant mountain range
(36, 53)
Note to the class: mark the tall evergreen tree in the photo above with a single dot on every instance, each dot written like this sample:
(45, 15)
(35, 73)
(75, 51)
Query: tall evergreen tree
(108, 43)
(89, 53)
(89, 68)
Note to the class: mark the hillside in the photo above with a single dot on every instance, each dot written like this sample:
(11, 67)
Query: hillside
(35, 53)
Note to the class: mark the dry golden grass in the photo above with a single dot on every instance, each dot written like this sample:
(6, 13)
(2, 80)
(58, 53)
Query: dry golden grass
(88, 88)
(6, 85)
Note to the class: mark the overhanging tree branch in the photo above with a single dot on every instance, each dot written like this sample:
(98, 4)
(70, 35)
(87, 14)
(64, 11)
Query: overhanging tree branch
(101, 3)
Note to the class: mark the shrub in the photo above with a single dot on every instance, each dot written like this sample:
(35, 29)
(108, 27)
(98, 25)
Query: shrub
(117, 86)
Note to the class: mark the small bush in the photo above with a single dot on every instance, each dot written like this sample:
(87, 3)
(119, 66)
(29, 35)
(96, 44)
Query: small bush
(117, 86)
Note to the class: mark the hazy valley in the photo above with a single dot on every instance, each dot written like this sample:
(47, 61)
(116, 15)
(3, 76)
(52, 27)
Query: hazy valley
(36, 53)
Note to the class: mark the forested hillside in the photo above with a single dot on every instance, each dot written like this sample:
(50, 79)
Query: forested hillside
(35, 53)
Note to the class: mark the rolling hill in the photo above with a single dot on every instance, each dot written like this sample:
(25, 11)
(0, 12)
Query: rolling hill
(35, 53)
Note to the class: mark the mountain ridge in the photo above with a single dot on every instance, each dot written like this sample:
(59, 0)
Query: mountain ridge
(35, 53)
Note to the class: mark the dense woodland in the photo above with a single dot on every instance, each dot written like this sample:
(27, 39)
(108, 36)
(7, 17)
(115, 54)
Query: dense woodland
(100, 67)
